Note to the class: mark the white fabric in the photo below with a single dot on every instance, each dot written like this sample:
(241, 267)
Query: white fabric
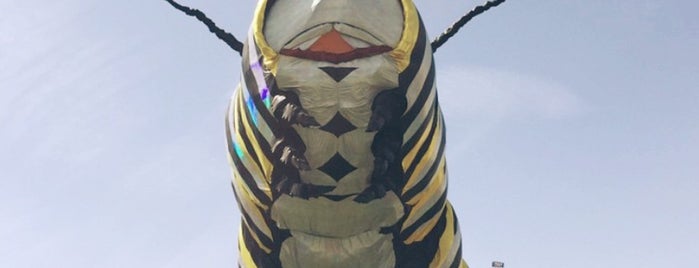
(383, 19)
(352, 97)
(369, 249)
(338, 234)
(336, 219)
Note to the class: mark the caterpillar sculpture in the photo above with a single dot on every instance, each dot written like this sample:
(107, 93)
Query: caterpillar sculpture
(336, 139)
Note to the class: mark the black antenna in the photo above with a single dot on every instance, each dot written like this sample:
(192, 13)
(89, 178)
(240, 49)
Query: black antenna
(227, 37)
(451, 31)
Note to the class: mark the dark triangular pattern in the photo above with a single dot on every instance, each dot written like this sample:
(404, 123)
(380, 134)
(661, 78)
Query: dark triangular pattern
(338, 73)
(337, 167)
(338, 125)
(337, 198)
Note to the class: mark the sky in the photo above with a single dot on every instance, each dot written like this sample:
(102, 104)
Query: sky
(572, 127)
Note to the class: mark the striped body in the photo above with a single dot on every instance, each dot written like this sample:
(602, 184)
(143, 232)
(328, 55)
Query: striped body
(411, 226)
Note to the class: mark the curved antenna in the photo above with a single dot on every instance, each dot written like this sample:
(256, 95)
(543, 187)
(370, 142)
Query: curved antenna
(451, 31)
(227, 37)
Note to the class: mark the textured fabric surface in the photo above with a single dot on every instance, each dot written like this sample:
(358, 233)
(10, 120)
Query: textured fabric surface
(413, 225)
(287, 18)
(336, 219)
(370, 249)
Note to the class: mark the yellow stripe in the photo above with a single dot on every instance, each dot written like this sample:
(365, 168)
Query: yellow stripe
(237, 179)
(427, 107)
(245, 257)
(445, 242)
(253, 168)
(435, 189)
(436, 183)
(427, 158)
(258, 22)
(401, 53)
(249, 204)
(463, 264)
(256, 237)
(451, 257)
(432, 192)
(425, 229)
(411, 28)
(266, 164)
(411, 154)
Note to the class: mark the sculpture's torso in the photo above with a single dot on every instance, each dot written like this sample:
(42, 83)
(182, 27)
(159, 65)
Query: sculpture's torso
(339, 96)
(382, 198)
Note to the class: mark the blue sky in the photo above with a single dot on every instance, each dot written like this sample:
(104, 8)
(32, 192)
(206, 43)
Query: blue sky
(573, 133)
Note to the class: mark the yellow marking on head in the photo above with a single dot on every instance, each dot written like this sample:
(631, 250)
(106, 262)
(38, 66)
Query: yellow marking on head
(270, 57)
(411, 27)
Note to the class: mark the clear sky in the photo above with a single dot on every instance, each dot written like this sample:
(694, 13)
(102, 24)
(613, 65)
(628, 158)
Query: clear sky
(573, 133)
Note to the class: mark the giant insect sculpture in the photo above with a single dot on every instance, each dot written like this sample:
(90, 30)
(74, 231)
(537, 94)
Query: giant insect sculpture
(336, 138)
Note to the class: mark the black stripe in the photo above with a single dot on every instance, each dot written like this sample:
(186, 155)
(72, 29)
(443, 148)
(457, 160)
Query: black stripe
(456, 221)
(271, 83)
(264, 239)
(437, 231)
(261, 141)
(420, 254)
(438, 108)
(250, 182)
(408, 146)
(337, 198)
(237, 198)
(259, 256)
(430, 174)
(429, 214)
(269, 7)
(421, 100)
(457, 259)
(279, 236)
(244, 173)
(423, 148)
(246, 140)
(407, 76)
(253, 90)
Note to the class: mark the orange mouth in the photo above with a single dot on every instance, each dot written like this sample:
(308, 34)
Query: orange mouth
(331, 47)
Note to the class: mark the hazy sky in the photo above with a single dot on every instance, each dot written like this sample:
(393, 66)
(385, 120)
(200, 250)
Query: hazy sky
(573, 133)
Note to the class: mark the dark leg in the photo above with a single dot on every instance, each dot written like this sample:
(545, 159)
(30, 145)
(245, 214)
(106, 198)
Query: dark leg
(387, 108)
(288, 149)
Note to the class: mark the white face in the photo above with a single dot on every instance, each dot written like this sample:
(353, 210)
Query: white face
(296, 23)
(335, 55)
(317, 39)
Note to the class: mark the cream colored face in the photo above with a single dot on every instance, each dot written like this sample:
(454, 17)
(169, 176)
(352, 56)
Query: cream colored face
(362, 25)
(359, 35)
(293, 23)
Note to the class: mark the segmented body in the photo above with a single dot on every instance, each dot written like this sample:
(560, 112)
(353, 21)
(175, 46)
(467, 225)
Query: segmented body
(337, 162)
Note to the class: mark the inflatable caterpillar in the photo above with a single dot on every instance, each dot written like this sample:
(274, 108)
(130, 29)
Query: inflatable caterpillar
(336, 139)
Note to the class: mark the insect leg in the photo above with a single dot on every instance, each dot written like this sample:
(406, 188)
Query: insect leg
(288, 149)
(387, 108)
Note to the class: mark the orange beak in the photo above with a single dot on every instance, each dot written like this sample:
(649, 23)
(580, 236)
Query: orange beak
(331, 47)
(331, 42)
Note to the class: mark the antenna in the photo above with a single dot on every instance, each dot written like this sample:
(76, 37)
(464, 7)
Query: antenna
(451, 31)
(226, 37)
